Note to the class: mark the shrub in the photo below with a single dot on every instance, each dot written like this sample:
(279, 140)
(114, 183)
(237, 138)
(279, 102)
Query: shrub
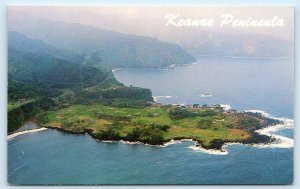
(179, 113)
(42, 117)
(204, 124)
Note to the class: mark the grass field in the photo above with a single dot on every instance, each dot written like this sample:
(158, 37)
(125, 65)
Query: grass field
(81, 117)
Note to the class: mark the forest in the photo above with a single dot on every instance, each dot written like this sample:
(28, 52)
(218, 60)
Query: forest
(42, 78)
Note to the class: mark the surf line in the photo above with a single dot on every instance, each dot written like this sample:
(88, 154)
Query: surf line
(25, 132)
(280, 141)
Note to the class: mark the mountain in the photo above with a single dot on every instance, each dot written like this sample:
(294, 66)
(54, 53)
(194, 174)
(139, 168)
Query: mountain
(239, 45)
(34, 61)
(41, 66)
(42, 77)
(113, 48)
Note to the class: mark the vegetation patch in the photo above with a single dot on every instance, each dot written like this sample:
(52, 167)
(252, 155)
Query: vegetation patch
(157, 124)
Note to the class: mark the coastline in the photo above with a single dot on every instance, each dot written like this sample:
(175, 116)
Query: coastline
(163, 68)
(275, 142)
(261, 138)
(279, 142)
(11, 136)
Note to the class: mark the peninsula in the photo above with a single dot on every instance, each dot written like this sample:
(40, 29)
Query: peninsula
(156, 124)
(79, 94)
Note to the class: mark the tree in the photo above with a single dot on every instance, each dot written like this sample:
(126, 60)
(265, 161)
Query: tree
(204, 124)
(42, 117)
(179, 113)
(15, 119)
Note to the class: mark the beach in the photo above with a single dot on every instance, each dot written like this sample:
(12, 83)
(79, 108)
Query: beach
(11, 136)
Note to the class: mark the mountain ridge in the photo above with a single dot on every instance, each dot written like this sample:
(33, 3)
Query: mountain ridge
(114, 48)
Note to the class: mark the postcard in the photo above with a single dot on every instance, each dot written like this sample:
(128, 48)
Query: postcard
(150, 95)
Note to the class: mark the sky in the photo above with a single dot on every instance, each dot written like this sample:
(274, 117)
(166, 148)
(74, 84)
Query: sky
(150, 21)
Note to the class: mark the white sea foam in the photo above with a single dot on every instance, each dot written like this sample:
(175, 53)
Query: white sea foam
(280, 141)
(171, 142)
(25, 132)
(226, 107)
(107, 141)
(127, 142)
(197, 147)
(209, 151)
(287, 121)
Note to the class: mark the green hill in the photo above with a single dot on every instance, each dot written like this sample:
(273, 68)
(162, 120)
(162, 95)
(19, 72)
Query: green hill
(42, 77)
(114, 49)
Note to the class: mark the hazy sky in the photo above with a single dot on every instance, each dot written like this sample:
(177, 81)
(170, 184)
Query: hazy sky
(150, 21)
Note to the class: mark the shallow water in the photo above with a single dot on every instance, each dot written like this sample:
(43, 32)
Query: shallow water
(53, 157)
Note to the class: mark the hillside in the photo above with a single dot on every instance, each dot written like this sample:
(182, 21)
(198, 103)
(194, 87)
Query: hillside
(114, 49)
(42, 77)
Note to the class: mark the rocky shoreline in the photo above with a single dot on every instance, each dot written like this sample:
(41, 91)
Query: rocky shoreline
(218, 144)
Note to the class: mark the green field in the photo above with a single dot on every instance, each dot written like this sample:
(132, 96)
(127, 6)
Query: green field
(123, 121)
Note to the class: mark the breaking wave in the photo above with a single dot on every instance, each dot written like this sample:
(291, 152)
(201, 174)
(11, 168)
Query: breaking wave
(280, 141)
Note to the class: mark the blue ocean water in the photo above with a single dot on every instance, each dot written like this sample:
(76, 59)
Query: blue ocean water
(53, 157)
(264, 84)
